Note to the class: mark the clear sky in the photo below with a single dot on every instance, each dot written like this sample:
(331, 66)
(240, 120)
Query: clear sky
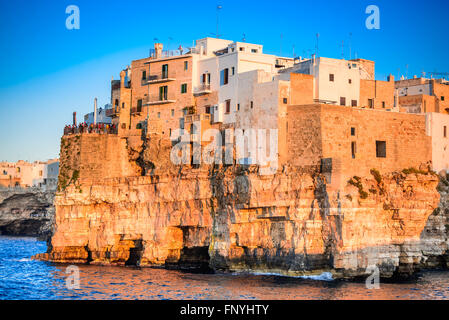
(48, 71)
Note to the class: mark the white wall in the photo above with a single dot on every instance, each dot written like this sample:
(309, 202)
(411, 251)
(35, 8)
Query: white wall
(435, 123)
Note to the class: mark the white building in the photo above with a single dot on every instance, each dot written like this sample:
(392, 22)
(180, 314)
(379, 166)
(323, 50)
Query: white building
(217, 66)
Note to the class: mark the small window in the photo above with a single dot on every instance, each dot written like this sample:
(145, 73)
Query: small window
(371, 103)
(208, 109)
(238, 106)
(353, 149)
(445, 131)
(40, 173)
(224, 76)
(252, 105)
(254, 50)
(186, 65)
(352, 131)
(354, 103)
(172, 112)
(383, 104)
(342, 101)
(233, 71)
(354, 65)
(331, 77)
(123, 105)
(228, 106)
(144, 74)
(442, 98)
(116, 102)
(184, 88)
(284, 100)
(381, 149)
(242, 49)
(159, 115)
(350, 81)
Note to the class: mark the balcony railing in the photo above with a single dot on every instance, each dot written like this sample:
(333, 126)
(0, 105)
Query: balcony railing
(196, 117)
(136, 110)
(112, 112)
(203, 88)
(159, 99)
(165, 53)
(160, 77)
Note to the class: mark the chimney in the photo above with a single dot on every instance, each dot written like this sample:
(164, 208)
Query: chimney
(95, 111)
(390, 78)
(158, 50)
(122, 78)
(74, 118)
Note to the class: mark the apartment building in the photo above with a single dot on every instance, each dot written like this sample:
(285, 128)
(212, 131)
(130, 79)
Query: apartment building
(421, 95)
(40, 174)
(229, 84)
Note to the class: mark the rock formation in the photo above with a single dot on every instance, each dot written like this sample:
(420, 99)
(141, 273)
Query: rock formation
(233, 218)
(26, 212)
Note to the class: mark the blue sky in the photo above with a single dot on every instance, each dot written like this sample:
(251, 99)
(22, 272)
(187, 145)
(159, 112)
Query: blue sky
(48, 71)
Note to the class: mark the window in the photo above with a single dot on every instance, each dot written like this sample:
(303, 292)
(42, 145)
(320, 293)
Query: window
(123, 105)
(186, 65)
(354, 103)
(158, 114)
(284, 100)
(381, 149)
(228, 106)
(350, 81)
(208, 109)
(353, 149)
(40, 173)
(342, 101)
(442, 98)
(371, 103)
(252, 105)
(139, 105)
(165, 71)
(172, 112)
(184, 88)
(383, 104)
(233, 71)
(331, 77)
(352, 131)
(445, 131)
(238, 106)
(163, 93)
(242, 49)
(144, 74)
(116, 102)
(254, 50)
(224, 76)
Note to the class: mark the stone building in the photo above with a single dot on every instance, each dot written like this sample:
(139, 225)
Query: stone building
(230, 85)
(38, 174)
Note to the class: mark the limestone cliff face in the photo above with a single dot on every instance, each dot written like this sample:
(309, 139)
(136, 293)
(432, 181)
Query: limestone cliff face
(233, 218)
(26, 212)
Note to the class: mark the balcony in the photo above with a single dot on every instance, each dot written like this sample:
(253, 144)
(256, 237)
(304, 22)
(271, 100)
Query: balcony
(136, 110)
(159, 99)
(159, 78)
(196, 117)
(202, 89)
(113, 112)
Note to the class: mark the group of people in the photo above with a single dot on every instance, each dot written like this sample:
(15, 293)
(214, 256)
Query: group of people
(92, 128)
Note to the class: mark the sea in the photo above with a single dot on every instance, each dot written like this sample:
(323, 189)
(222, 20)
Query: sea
(22, 278)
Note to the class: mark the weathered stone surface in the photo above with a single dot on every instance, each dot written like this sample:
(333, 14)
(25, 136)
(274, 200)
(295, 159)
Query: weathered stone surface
(232, 218)
(26, 212)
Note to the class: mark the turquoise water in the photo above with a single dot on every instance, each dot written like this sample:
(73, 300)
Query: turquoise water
(23, 278)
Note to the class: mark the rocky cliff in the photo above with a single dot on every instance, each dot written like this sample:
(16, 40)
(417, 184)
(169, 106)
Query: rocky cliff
(26, 212)
(233, 218)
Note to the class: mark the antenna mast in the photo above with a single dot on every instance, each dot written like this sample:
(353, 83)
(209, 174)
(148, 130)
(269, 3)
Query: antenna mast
(218, 10)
